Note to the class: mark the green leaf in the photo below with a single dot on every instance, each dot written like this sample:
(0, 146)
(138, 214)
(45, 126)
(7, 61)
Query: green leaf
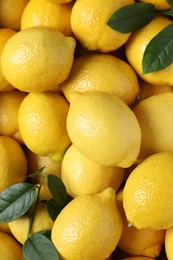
(159, 52)
(15, 201)
(170, 2)
(46, 233)
(130, 18)
(54, 208)
(39, 247)
(57, 189)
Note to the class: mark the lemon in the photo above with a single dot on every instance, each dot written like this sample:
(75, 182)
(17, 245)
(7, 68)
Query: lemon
(5, 34)
(42, 221)
(13, 166)
(88, 227)
(104, 129)
(147, 195)
(9, 105)
(89, 24)
(168, 243)
(155, 117)
(81, 175)
(37, 59)
(5, 228)
(11, 12)
(159, 4)
(36, 161)
(9, 248)
(47, 13)
(42, 124)
(143, 242)
(136, 46)
(102, 72)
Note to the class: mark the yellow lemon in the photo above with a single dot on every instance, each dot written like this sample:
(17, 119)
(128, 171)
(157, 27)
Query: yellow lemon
(9, 248)
(81, 175)
(47, 13)
(102, 72)
(42, 124)
(155, 117)
(143, 242)
(4, 227)
(168, 243)
(104, 129)
(147, 195)
(89, 24)
(13, 166)
(36, 161)
(42, 221)
(11, 12)
(37, 59)
(9, 105)
(88, 227)
(5, 34)
(159, 4)
(136, 46)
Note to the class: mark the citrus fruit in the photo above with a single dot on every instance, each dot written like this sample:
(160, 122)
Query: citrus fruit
(37, 59)
(13, 166)
(42, 124)
(89, 24)
(104, 124)
(81, 175)
(159, 4)
(9, 248)
(88, 227)
(143, 242)
(9, 105)
(155, 117)
(47, 13)
(102, 72)
(11, 12)
(147, 195)
(5, 228)
(136, 46)
(168, 243)
(5, 34)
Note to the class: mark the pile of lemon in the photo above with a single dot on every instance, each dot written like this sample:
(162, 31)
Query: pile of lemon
(73, 99)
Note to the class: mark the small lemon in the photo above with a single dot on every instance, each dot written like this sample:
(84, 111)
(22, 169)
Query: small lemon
(42, 124)
(168, 243)
(13, 163)
(89, 24)
(136, 45)
(81, 175)
(11, 12)
(103, 128)
(147, 195)
(36, 161)
(47, 13)
(10, 249)
(159, 4)
(9, 105)
(143, 242)
(155, 117)
(88, 227)
(102, 72)
(5, 34)
(37, 59)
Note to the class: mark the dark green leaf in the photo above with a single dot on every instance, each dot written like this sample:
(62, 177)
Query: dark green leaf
(167, 12)
(15, 201)
(39, 247)
(170, 2)
(54, 208)
(57, 189)
(132, 17)
(159, 52)
(46, 233)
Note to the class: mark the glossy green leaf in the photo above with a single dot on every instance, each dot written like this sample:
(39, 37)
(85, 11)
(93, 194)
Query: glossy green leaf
(159, 52)
(54, 208)
(170, 2)
(15, 201)
(39, 247)
(57, 189)
(132, 17)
